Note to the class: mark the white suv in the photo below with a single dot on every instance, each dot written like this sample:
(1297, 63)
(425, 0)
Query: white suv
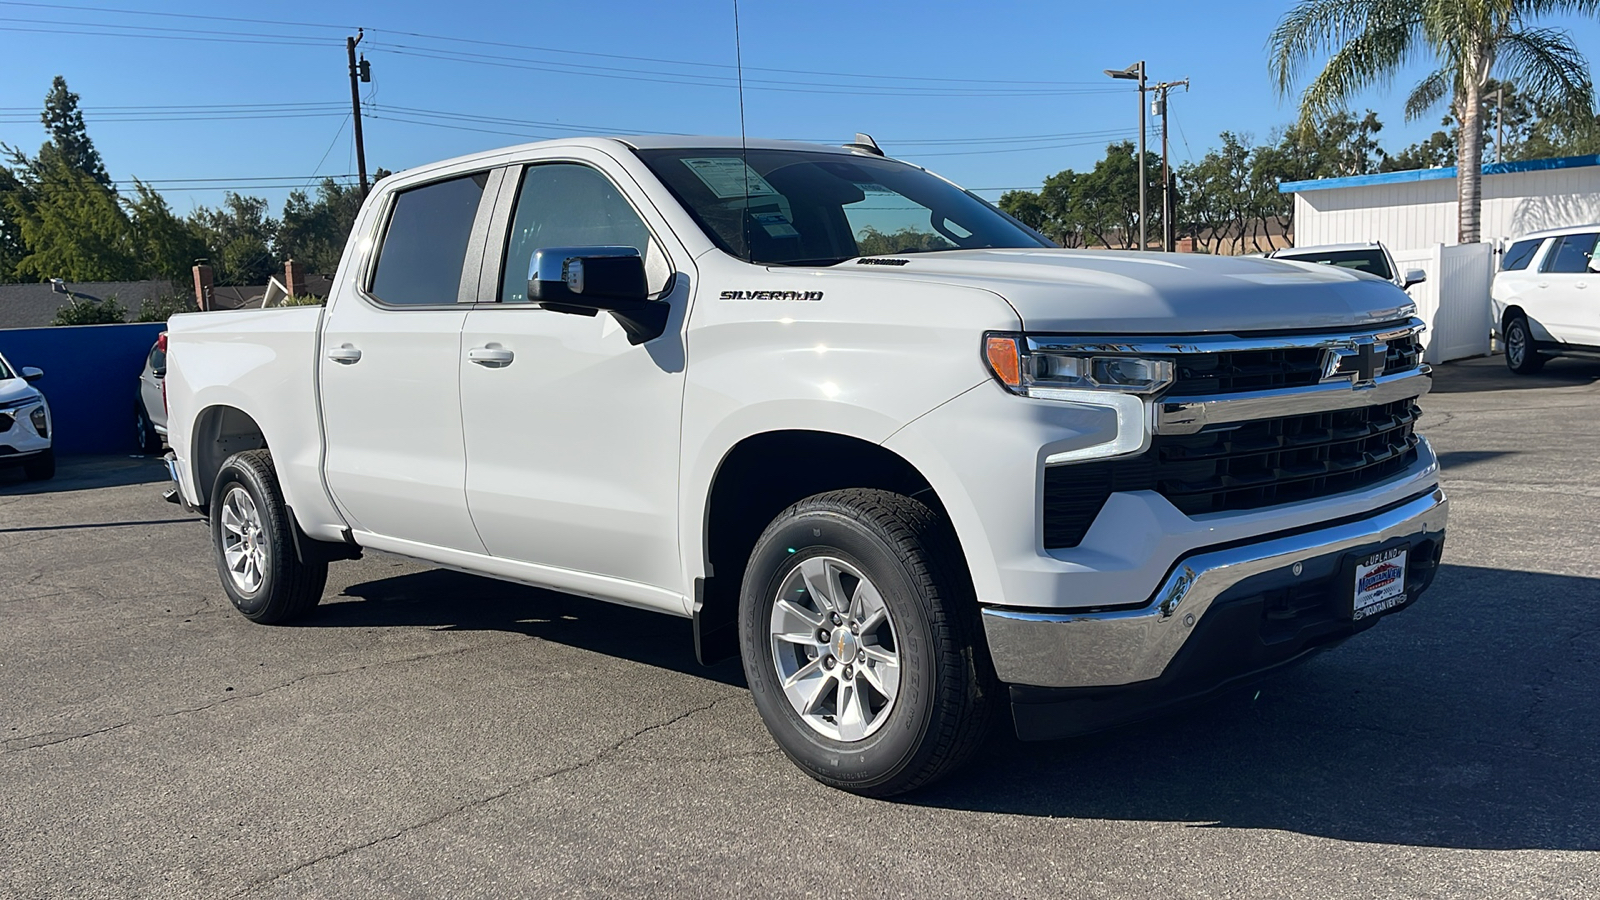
(1544, 304)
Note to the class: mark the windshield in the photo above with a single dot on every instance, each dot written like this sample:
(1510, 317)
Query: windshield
(799, 208)
(1373, 262)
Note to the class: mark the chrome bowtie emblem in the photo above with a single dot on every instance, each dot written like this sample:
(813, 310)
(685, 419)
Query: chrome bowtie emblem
(1361, 361)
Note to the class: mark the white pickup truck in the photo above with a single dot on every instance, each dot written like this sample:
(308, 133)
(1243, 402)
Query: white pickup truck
(911, 462)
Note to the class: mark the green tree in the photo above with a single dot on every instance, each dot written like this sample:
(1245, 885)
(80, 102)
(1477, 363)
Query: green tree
(313, 232)
(71, 227)
(240, 238)
(69, 137)
(166, 245)
(90, 311)
(1095, 208)
(1367, 42)
(872, 242)
(164, 307)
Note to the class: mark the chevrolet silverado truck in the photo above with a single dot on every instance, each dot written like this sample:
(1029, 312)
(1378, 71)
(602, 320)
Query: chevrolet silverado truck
(912, 463)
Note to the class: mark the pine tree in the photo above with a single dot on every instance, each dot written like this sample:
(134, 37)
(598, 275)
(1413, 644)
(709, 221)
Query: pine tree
(69, 137)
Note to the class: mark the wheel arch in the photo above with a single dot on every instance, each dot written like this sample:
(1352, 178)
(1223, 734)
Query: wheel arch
(757, 478)
(219, 432)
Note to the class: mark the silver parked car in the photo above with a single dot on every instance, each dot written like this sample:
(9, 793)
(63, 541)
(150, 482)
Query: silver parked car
(150, 404)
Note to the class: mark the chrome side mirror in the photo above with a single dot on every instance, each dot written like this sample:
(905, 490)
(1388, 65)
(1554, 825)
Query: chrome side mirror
(585, 280)
(1415, 276)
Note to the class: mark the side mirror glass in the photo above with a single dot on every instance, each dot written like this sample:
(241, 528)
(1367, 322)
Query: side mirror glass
(1415, 276)
(585, 280)
(32, 373)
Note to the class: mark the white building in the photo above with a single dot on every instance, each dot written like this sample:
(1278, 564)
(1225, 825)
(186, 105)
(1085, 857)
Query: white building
(1414, 214)
(1417, 209)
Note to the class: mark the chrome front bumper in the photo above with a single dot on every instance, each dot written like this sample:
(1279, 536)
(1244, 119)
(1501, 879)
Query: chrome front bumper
(1125, 646)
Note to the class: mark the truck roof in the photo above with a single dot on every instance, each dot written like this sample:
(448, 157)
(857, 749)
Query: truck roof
(639, 142)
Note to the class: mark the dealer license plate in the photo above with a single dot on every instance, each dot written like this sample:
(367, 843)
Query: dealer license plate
(1380, 582)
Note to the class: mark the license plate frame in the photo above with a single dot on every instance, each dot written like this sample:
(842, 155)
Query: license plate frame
(1377, 582)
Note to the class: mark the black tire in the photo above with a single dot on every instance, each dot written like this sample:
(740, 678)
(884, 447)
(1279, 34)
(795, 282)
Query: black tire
(41, 467)
(1521, 357)
(287, 588)
(947, 689)
(144, 431)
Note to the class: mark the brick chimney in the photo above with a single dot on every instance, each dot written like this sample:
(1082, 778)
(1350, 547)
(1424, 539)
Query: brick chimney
(289, 283)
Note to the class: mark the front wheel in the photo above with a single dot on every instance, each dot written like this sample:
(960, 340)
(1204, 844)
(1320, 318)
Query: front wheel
(253, 544)
(861, 642)
(1521, 357)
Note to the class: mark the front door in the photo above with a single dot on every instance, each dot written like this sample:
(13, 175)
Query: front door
(1569, 292)
(571, 431)
(390, 372)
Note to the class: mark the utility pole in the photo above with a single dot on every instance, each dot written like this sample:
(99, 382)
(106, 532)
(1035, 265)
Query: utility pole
(358, 73)
(1158, 107)
(1135, 72)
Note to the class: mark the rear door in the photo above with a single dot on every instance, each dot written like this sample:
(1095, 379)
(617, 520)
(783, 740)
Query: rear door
(151, 393)
(390, 376)
(572, 432)
(1568, 303)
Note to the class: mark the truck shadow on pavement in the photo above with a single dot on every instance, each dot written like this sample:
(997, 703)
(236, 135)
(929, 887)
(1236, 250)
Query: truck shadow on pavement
(82, 473)
(1489, 373)
(456, 601)
(1466, 722)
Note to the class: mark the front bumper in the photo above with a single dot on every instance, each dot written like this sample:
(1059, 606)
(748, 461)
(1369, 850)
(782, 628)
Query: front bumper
(1220, 615)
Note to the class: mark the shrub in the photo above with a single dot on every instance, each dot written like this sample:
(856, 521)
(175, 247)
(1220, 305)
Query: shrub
(89, 311)
(303, 300)
(164, 307)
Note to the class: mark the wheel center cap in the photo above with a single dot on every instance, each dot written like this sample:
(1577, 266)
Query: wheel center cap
(844, 645)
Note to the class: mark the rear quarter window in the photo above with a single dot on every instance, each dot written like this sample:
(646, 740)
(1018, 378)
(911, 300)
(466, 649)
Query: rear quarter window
(1519, 255)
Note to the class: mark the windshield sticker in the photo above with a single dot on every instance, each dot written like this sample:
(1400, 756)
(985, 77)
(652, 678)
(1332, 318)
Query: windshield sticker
(776, 224)
(728, 177)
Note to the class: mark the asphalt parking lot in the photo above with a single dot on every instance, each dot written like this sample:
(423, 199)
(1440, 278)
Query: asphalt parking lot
(432, 734)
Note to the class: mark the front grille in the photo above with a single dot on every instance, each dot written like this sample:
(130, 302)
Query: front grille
(1238, 371)
(1244, 465)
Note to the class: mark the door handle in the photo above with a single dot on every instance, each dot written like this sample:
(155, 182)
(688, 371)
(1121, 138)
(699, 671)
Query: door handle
(1544, 284)
(492, 356)
(344, 353)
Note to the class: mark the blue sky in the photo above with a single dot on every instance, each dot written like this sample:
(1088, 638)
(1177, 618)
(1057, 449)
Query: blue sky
(953, 84)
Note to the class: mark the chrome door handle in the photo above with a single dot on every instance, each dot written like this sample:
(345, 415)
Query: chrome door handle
(344, 353)
(492, 356)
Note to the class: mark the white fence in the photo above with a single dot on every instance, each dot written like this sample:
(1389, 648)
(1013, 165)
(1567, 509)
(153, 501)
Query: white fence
(1454, 301)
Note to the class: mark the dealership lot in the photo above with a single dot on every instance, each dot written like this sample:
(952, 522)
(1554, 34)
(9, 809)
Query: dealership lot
(427, 733)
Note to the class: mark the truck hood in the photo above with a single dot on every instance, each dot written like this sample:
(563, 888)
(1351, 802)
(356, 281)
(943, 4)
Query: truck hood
(1127, 292)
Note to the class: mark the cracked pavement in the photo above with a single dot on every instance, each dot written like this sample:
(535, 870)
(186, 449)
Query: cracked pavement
(426, 733)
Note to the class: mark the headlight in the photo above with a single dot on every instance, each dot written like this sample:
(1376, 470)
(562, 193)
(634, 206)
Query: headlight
(1035, 372)
(40, 421)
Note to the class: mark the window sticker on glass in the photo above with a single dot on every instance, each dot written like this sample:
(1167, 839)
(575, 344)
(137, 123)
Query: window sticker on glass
(728, 176)
(776, 224)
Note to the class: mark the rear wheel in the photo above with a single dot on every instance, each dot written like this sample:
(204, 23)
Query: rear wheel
(144, 431)
(861, 642)
(41, 467)
(254, 546)
(1521, 357)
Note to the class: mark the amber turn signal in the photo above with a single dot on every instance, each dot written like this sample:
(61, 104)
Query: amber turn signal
(1005, 359)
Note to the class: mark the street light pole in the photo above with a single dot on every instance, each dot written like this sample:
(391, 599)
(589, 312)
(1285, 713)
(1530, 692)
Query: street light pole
(1135, 72)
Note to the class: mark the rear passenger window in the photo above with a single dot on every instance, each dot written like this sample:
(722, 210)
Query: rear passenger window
(1519, 255)
(1570, 254)
(425, 245)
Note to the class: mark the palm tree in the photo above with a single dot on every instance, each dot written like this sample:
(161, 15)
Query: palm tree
(1368, 41)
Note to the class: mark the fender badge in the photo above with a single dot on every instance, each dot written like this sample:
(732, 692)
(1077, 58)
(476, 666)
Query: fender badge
(770, 295)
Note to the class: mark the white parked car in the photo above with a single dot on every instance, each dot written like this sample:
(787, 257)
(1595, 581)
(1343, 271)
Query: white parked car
(1373, 259)
(969, 474)
(1547, 297)
(25, 422)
